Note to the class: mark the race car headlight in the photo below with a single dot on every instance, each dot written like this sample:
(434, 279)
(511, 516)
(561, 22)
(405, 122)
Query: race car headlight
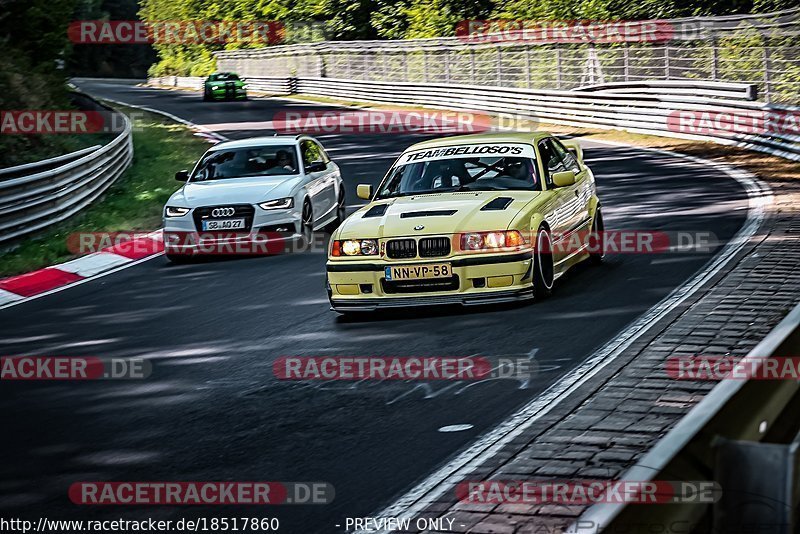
(280, 204)
(355, 247)
(174, 211)
(504, 239)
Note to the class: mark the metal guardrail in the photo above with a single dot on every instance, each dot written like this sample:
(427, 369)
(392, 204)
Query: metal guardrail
(37, 195)
(729, 437)
(618, 106)
(640, 113)
(763, 50)
(266, 84)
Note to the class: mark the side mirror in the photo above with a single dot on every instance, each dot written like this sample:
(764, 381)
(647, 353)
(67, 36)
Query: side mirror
(182, 176)
(364, 191)
(316, 166)
(564, 178)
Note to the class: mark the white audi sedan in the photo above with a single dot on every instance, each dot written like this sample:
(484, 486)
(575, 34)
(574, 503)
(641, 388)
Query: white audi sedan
(243, 196)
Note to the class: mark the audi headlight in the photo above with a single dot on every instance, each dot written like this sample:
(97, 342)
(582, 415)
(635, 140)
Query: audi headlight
(280, 204)
(355, 247)
(174, 211)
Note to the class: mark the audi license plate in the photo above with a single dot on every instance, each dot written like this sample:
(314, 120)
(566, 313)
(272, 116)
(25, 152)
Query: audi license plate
(419, 272)
(223, 224)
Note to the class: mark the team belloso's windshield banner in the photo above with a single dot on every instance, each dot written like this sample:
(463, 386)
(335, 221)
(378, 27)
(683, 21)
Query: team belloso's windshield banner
(483, 150)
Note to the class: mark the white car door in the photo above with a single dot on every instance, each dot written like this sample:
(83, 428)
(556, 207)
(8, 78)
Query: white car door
(321, 176)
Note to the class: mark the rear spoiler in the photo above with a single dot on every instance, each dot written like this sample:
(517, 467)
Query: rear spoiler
(573, 146)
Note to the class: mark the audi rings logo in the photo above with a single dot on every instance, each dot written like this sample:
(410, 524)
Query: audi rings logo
(223, 212)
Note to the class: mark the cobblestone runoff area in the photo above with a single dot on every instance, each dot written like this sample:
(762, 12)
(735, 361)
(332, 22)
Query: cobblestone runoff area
(613, 419)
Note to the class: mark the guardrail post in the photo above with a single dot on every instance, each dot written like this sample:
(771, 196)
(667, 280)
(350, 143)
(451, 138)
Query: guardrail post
(405, 65)
(447, 65)
(424, 65)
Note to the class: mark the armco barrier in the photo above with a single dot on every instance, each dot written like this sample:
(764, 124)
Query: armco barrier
(620, 107)
(639, 113)
(743, 434)
(36, 195)
(265, 84)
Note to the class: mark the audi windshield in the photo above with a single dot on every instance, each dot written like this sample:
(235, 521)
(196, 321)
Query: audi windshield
(243, 162)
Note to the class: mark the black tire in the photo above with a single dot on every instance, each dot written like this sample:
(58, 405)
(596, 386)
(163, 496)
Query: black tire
(597, 239)
(341, 211)
(206, 95)
(178, 258)
(543, 269)
(307, 224)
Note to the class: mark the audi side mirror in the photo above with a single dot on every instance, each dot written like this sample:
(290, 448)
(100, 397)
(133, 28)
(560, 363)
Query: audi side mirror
(182, 176)
(564, 178)
(316, 166)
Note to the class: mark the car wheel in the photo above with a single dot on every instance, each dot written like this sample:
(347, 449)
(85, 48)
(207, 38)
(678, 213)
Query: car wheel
(307, 223)
(341, 210)
(543, 269)
(597, 239)
(178, 258)
(206, 95)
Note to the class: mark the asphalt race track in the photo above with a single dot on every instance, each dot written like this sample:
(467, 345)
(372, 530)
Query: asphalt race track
(212, 410)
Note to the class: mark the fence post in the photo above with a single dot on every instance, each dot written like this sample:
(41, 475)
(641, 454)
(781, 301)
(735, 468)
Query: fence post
(405, 66)
(528, 65)
(499, 60)
(666, 62)
(424, 65)
(626, 61)
(472, 65)
(558, 67)
(714, 56)
(767, 67)
(447, 65)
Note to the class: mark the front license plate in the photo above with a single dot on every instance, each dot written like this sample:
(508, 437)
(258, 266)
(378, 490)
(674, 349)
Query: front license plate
(223, 224)
(419, 272)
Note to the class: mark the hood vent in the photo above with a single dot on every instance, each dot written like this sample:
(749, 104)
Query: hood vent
(498, 204)
(376, 211)
(432, 213)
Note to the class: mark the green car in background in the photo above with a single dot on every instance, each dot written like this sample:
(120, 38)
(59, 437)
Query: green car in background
(224, 86)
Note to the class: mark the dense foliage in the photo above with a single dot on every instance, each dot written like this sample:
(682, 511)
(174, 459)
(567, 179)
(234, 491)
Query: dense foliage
(405, 19)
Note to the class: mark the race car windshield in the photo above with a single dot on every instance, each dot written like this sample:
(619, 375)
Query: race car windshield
(242, 162)
(462, 174)
(225, 76)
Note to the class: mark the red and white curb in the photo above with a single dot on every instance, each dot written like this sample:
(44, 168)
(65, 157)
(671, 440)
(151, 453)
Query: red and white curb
(20, 288)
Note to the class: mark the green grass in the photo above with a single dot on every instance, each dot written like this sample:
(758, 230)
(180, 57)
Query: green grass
(133, 203)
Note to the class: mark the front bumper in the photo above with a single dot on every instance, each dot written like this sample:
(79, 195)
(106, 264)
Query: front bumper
(269, 233)
(478, 279)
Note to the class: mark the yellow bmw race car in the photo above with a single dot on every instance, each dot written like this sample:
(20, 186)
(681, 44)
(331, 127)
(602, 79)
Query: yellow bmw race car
(467, 220)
